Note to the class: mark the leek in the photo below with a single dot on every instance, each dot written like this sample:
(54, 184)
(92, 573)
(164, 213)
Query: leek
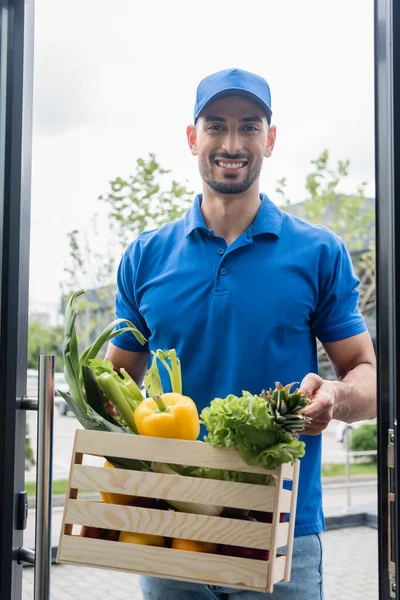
(112, 390)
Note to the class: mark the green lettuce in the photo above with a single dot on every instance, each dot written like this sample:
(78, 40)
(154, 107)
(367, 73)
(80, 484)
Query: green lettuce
(246, 424)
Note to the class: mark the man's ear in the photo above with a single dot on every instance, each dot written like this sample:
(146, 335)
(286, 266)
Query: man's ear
(191, 134)
(270, 141)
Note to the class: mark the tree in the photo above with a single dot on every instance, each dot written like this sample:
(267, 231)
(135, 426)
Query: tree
(145, 200)
(44, 340)
(351, 217)
(139, 202)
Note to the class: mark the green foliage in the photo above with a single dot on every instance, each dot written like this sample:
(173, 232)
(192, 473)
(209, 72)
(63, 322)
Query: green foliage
(144, 200)
(86, 266)
(349, 216)
(339, 469)
(44, 340)
(364, 438)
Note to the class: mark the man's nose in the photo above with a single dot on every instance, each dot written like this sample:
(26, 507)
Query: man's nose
(231, 143)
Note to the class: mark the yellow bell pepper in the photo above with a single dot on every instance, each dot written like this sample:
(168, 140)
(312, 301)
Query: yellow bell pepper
(110, 497)
(169, 415)
(143, 539)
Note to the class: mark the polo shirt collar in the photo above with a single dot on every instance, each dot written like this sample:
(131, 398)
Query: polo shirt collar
(194, 217)
(268, 219)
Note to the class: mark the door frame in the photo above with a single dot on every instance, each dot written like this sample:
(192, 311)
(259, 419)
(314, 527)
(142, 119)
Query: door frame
(16, 56)
(16, 60)
(387, 153)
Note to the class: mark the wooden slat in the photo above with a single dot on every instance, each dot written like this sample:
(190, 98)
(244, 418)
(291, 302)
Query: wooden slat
(169, 523)
(279, 568)
(282, 534)
(164, 562)
(76, 458)
(292, 519)
(274, 536)
(287, 470)
(181, 452)
(176, 487)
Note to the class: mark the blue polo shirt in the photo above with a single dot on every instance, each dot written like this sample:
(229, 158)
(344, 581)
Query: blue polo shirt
(245, 316)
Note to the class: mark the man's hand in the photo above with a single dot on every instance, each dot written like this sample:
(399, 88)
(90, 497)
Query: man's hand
(109, 406)
(321, 394)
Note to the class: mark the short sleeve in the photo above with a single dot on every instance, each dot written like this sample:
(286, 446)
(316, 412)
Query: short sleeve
(126, 306)
(337, 315)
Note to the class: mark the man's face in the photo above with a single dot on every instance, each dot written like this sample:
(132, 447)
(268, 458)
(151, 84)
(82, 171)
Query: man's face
(231, 139)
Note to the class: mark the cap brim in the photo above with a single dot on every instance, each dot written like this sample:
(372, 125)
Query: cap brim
(235, 92)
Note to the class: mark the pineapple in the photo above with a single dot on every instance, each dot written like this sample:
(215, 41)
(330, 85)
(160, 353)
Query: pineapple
(285, 407)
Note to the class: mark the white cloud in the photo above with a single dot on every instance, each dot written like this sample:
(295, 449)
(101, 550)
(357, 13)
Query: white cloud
(114, 81)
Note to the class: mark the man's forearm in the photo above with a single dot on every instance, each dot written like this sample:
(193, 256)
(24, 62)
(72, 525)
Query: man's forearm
(355, 394)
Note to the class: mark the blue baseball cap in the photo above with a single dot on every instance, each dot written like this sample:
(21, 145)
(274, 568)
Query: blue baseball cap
(233, 82)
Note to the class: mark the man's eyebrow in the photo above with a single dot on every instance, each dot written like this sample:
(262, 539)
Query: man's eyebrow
(209, 118)
(256, 119)
(214, 118)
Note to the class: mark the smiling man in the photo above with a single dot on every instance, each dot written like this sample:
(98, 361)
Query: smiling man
(242, 291)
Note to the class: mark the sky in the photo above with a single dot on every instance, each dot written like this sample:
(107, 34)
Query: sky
(114, 81)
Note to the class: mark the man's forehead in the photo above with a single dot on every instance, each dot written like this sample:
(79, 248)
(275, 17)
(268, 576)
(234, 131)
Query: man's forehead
(233, 107)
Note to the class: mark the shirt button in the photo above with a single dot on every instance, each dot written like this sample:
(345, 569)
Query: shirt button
(223, 271)
(221, 250)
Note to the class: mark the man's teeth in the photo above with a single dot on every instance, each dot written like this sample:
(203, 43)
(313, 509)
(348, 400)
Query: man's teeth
(230, 165)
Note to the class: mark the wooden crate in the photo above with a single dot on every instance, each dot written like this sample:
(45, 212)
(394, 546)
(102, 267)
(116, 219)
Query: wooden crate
(168, 563)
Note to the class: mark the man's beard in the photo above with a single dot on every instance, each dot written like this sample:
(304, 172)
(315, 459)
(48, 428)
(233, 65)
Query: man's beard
(229, 187)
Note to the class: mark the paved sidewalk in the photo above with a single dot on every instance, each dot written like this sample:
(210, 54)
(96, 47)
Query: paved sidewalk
(350, 572)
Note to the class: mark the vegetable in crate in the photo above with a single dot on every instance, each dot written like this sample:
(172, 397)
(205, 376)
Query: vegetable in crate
(193, 546)
(99, 534)
(85, 398)
(142, 539)
(247, 423)
(169, 415)
(286, 407)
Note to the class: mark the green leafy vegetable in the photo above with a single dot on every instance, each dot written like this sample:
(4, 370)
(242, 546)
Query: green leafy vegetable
(246, 424)
(84, 398)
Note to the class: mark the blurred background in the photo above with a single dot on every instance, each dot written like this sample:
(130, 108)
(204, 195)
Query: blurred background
(114, 89)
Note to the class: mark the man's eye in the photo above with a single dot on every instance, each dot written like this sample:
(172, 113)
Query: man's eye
(215, 127)
(251, 128)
